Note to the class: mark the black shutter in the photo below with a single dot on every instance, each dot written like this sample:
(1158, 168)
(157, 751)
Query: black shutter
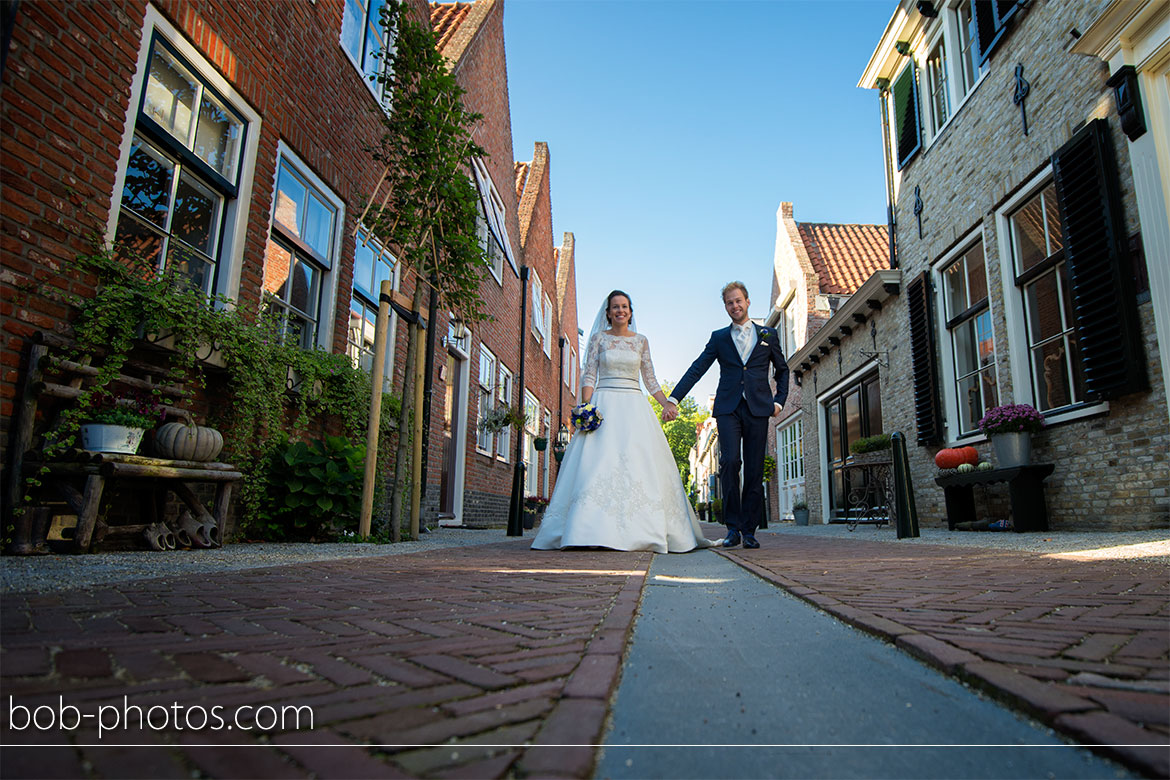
(1104, 304)
(991, 24)
(907, 130)
(927, 412)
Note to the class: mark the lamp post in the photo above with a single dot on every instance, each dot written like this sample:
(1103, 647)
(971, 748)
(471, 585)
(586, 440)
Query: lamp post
(516, 503)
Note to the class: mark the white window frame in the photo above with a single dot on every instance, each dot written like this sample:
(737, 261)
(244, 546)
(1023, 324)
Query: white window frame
(234, 217)
(328, 266)
(382, 58)
(962, 56)
(1019, 360)
(538, 308)
(945, 31)
(547, 326)
(504, 396)
(950, 394)
(485, 440)
(531, 459)
(492, 228)
(573, 366)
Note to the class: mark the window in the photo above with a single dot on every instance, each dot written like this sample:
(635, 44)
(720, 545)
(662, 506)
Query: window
(970, 66)
(850, 415)
(566, 361)
(1037, 251)
(547, 329)
(937, 84)
(299, 254)
(787, 328)
(967, 318)
(371, 265)
(364, 39)
(487, 379)
(531, 431)
(573, 371)
(538, 315)
(504, 398)
(491, 224)
(182, 174)
(907, 136)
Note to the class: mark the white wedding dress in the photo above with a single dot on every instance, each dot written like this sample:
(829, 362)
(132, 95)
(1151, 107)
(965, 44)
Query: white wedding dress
(618, 486)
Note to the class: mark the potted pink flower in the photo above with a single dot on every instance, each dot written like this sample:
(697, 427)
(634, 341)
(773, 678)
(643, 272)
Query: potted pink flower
(1010, 428)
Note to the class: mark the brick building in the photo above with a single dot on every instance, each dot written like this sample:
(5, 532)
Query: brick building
(1018, 275)
(259, 114)
(815, 268)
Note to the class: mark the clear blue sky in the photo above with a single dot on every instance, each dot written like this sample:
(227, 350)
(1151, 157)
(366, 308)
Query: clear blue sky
(675, 129)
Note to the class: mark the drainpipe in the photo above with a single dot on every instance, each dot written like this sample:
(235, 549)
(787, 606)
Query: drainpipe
(888, 164)
(516, 504)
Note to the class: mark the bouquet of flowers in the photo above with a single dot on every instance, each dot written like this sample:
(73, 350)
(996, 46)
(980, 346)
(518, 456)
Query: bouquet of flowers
(1012, 418)
(586, 418)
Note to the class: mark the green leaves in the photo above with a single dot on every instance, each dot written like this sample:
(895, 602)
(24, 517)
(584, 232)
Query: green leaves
(314, 487)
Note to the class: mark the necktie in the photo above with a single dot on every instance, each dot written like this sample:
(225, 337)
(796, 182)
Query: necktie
(741, 341)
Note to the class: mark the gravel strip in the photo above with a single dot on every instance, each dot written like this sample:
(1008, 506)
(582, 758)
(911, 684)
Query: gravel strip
(47, 573)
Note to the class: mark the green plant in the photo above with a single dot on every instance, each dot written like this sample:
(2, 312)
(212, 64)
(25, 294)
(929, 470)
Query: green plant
(133, 409)
(769, 468)
(717, 506)
(535, 503)
(875, 443)
(314, 487)
(502, 417)
(800, 503)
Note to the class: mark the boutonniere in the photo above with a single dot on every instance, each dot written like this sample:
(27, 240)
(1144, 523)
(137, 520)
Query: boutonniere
(765, 334)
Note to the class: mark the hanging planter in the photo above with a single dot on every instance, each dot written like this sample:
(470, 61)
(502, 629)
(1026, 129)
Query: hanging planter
(541, 443)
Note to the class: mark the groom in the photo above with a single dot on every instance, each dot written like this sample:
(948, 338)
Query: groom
(743, 404)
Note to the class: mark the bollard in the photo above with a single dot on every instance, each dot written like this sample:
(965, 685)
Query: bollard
(907, 514)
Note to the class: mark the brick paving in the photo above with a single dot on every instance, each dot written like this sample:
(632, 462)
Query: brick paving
(508, 658)
(1083, 646)
(478, 649)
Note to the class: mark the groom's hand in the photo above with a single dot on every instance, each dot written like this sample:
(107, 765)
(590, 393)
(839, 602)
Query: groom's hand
(669, 411)
(776, 409)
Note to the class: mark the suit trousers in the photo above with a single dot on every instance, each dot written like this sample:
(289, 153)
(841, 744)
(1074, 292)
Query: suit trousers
(743, 438)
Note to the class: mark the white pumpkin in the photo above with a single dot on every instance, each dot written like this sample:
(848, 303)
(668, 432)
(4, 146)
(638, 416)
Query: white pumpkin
(984, 465)
(179, 441)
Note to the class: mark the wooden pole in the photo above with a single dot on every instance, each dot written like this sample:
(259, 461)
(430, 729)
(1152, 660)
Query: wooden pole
(381, 325)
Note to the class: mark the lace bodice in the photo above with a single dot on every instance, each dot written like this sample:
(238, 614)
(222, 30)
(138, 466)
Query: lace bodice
(622, 357)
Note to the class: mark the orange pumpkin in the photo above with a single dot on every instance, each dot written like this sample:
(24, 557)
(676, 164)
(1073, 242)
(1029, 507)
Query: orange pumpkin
(970, 455)
(948, 458)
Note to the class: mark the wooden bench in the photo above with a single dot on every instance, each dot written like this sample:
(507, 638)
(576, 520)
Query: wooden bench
(76, 479)
(1025, 489)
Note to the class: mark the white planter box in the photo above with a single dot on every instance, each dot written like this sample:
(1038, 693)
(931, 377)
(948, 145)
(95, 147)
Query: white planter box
(99, 437)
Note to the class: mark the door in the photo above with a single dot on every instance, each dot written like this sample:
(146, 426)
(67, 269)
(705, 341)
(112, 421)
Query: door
(452, 435)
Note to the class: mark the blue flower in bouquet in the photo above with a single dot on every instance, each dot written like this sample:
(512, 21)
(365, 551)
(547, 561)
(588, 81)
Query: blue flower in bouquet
(586, 418)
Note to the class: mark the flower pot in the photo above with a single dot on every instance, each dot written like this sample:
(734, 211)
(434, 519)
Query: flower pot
(1012, 449)
(529, 520)
(800, 516)
(559, 455)
(540, 442)
(100, 437)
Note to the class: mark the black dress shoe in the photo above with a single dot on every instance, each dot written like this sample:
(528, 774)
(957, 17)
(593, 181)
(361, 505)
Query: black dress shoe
(732, 539)
(750, 543)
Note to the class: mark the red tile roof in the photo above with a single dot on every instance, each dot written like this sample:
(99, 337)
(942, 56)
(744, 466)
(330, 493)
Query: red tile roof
(445, 20)
(844, 256)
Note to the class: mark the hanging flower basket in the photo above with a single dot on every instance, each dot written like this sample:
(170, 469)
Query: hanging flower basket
(541, 443)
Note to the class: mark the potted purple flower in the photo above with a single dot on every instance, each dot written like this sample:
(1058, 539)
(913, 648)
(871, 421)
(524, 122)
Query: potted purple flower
(1010, 428)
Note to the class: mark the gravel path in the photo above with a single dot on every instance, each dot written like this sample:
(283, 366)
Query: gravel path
(46, 573)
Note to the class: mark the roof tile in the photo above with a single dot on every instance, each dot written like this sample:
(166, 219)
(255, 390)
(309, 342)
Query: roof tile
(445, 20)
(844, 256)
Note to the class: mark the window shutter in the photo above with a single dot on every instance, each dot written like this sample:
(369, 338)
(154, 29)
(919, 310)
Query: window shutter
(991, 23)
(1104, 304)
(927, 412)
(907, 131)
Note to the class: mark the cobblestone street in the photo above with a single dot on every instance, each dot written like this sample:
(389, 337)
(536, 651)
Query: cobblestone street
(499, 653)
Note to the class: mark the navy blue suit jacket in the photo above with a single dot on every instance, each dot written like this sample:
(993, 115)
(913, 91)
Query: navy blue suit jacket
(738, 379)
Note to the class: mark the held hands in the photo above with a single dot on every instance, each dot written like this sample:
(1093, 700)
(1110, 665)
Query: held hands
(669, 411)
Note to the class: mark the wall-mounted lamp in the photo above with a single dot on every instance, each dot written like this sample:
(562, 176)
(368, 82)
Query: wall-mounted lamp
(927, 9)
(1128, 96)
(456, 333)
(902, 47)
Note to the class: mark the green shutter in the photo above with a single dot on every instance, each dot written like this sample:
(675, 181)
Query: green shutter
(1104, 303)
(907, 130)
(927, 410)
(992, 20)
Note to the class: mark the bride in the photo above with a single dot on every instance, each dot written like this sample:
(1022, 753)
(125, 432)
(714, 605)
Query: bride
(618, 486)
